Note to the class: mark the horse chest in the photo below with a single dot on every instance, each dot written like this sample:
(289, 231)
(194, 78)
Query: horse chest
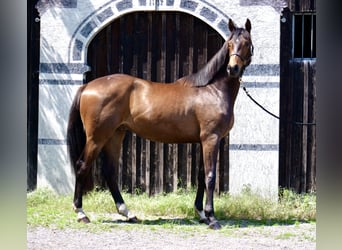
(225, 117)
(216, 117)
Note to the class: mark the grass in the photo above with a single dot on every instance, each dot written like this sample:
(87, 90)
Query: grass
(169, 211)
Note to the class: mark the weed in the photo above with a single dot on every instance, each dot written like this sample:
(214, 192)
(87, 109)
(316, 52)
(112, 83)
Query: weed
(285, 236)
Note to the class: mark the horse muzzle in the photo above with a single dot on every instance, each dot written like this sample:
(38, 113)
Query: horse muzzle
(233, 71)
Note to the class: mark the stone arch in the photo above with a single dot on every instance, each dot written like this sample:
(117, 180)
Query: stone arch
(98, 19)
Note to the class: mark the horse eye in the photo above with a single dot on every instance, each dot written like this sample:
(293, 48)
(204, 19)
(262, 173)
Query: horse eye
(252, 49)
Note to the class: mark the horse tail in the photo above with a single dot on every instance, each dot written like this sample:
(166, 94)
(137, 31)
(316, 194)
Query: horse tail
(76, 140)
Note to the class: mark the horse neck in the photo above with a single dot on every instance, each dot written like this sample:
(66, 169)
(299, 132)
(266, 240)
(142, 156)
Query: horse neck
(234, 86)
(229, 86)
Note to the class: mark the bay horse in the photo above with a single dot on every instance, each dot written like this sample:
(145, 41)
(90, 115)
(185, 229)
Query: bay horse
(197, 108)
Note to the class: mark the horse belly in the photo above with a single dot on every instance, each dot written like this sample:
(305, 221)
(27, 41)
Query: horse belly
(183, 130)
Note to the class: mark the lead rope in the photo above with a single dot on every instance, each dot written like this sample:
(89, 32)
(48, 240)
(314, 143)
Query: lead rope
(275, 116)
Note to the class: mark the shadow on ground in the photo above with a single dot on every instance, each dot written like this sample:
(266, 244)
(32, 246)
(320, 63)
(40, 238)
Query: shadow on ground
(239, 223)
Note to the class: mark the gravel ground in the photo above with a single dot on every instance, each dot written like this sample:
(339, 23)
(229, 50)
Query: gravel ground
(302, 236)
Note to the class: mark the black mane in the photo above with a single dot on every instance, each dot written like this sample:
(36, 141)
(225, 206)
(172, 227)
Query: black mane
(205, 75)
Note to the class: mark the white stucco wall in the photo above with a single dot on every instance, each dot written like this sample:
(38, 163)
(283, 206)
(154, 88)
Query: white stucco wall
(67, 28)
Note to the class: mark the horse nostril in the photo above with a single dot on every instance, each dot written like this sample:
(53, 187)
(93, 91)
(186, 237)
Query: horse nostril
(235, 69)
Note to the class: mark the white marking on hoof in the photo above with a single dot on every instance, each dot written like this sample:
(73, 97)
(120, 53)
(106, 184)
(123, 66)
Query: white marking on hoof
(201, 214)
(80, 213)
(122, 209)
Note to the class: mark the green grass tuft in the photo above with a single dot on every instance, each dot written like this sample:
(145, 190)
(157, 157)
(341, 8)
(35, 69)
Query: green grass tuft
(249, 206)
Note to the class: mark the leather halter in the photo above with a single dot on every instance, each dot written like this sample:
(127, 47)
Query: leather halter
(244, 59)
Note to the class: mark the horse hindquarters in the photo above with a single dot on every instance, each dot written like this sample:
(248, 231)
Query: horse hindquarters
(85, 143)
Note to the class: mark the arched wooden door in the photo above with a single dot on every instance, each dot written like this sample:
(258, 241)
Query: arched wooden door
(159, 46)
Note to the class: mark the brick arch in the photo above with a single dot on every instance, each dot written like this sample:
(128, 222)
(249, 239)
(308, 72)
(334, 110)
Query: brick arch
(98, 19)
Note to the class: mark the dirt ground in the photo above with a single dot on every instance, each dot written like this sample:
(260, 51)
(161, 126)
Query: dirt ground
(302, 236)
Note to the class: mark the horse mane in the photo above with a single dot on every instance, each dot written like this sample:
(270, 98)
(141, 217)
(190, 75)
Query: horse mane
(205, 75)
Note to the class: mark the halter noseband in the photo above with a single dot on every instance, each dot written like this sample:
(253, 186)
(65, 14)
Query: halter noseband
(235, 54)
(241, 58)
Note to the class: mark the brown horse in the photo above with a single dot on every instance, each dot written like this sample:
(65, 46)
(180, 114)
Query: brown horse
(195, 108)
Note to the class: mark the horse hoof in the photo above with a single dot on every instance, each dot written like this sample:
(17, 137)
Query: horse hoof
(133, 220)
(215, 225)
(84, 220)
(205, 221)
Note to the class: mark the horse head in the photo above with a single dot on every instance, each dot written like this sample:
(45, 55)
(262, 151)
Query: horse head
(240, 49)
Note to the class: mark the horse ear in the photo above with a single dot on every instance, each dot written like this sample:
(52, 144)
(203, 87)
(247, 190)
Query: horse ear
(231, 25)
(248, 26)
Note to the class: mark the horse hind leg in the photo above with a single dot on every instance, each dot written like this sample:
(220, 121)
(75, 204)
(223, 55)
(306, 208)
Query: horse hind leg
(110, 169)
(84, 180)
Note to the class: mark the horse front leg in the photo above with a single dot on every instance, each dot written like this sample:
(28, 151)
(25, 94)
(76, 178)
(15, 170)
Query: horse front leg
(210, 150)
(200, 193)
